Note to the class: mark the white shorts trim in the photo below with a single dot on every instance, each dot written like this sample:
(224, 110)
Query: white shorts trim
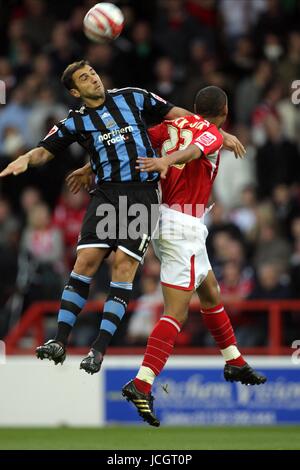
(130, 253)
(93, 245)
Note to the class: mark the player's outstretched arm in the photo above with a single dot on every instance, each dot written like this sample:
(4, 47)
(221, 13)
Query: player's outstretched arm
(162, 164)
(37, 156)
(232, 143)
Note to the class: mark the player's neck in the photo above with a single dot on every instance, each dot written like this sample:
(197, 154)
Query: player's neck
(94, 103)
(215, 120)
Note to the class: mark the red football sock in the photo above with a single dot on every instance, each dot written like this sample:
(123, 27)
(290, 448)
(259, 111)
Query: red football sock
(219, 325)
(159, 347)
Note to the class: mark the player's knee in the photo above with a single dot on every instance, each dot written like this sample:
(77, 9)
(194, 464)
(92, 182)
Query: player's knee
(179, 315)
(85, 264)
(124, 270)
(211, 296)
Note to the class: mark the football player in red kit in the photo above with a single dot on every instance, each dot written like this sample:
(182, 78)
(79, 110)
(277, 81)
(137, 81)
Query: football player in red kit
(190, 149)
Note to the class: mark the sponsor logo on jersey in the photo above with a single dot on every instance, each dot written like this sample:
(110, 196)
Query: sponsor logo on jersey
(116, 135)
(207, 138)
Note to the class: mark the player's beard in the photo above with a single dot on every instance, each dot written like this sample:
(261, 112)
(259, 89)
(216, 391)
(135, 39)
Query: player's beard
(96, 95)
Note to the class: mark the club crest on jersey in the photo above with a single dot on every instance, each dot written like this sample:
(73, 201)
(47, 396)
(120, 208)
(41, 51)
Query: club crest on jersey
(207, 138)
(52, 131)
(108, 120)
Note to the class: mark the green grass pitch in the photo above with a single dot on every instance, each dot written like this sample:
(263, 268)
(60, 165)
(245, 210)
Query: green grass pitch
(145, 437)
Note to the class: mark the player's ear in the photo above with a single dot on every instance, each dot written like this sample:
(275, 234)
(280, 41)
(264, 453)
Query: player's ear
(75, 93)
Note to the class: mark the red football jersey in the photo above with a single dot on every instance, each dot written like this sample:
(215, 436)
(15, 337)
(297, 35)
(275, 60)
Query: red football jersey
(187, 187)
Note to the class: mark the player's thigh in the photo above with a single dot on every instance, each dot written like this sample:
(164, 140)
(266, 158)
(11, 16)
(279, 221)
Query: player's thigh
(177, 263)
(99, 225)
(209, 291)
(176, 302)
(136, 226)
(124, 267)
(88, 260)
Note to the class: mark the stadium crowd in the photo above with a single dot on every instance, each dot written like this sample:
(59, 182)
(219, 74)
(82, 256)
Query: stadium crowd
(250, 48)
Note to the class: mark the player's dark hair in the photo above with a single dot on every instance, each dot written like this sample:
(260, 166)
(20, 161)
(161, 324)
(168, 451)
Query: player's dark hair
(67, 76)
(210, 101)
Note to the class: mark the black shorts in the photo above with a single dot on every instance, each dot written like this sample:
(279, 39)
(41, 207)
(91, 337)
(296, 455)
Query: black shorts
(121, 215)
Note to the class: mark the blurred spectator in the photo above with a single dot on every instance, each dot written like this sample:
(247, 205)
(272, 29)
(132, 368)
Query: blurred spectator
(273, 20)
(164, 84)
(217, 222)
(224, 249)
(237, 17)
(289, 114)
(43, 70)
(228, 190)
(267, 107)
(174, 29)
(44, 107)
(9, 226)
(143, 53)
(271, 283)
(289, 68)
(236, 283)
(205, 72)
(9, 239)
(15, 116)
(277, 161)
(77, 15)
(13, 143)
(245, 216)
(30, 197)
(241, 62)
(272, 48)
(38, 22)
(41, 251)
(7, 75)
(285, 207)
(70, 208)
(271, 248)
(62, 49)
(250, 90)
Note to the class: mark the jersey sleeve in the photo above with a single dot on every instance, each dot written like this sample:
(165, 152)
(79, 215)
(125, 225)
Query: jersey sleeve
(157, 134)
(208, 141)
(155, 105)
(58, 138)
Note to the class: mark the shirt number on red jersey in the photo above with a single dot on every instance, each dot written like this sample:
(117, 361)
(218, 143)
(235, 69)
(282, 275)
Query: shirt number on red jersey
(179, 140)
